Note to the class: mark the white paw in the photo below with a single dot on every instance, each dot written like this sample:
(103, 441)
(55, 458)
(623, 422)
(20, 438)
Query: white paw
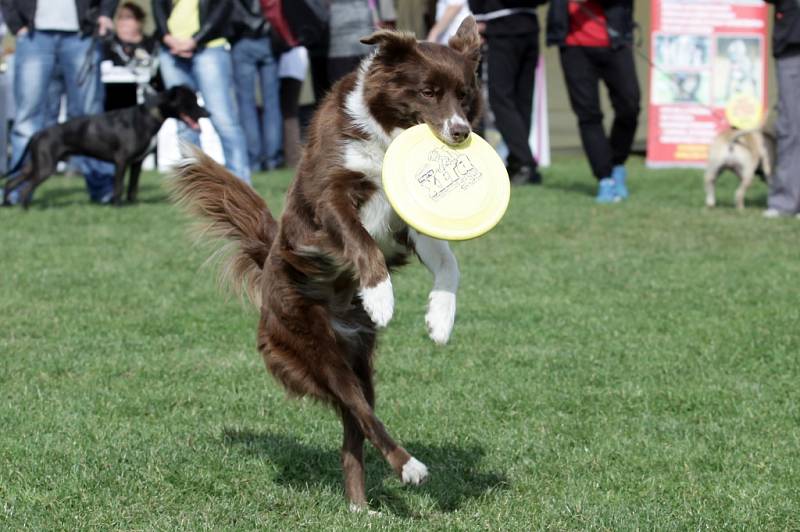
(379, 302)
(357, 509)
(441, 315)
(414, 472)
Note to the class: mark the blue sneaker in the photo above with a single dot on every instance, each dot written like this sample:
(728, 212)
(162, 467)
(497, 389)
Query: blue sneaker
(619, 174)
(607, 191)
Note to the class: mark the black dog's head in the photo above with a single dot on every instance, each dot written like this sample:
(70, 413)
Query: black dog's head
(181, 102)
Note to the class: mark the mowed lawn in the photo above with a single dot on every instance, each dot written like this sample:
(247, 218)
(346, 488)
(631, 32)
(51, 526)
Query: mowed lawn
(632, 366)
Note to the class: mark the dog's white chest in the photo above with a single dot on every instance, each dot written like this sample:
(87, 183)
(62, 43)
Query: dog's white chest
(376, 215)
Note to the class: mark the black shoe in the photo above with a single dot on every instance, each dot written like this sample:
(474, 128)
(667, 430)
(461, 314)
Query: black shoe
(525, 175)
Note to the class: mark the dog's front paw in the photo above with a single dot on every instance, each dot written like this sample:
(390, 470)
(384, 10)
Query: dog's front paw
(378, 301)
(441, 315)
(414, 472)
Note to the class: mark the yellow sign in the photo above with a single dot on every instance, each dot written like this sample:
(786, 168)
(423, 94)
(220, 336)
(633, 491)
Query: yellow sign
(744, 111)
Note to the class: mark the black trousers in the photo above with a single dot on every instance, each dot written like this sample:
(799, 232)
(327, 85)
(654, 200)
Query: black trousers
(584, 68)
(512, 71)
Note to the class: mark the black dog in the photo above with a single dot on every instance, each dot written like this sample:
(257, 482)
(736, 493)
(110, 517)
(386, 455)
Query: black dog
(122, 137)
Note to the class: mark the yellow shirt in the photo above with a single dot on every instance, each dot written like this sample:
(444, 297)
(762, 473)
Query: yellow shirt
(184, 21)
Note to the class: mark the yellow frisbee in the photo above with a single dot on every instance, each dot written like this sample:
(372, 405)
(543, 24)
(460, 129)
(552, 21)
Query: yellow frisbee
(743, 111)
(447, 192)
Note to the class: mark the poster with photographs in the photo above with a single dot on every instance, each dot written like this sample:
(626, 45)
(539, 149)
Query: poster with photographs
(704, 53)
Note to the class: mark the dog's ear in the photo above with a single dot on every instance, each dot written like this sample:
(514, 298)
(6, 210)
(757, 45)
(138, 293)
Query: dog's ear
(396, 43)
(467, 40)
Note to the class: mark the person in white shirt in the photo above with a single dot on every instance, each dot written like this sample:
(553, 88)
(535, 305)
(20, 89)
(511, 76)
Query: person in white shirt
(449, 15)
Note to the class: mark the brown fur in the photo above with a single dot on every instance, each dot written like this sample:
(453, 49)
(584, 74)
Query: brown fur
(742, 152)
(312, 269)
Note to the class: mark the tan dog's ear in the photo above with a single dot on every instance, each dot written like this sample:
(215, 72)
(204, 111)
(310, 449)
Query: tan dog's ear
(467, 40)
(392, 42)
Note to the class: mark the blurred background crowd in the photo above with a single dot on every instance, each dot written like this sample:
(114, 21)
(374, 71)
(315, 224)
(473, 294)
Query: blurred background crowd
(260, 67)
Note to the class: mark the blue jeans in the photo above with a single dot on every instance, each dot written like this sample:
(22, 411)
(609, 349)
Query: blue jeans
(210, 72)
(39, 54)
(253, 62)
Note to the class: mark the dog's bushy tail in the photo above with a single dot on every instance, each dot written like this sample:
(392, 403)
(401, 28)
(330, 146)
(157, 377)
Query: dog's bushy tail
(229, 209)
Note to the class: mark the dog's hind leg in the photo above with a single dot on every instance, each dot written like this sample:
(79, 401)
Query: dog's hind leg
(709, 180)
(747, 174)
(133, 180)
(353, 461)
(345, 385)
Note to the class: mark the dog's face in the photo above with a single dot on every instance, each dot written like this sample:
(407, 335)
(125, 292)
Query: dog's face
(181, 102)
(410, 82)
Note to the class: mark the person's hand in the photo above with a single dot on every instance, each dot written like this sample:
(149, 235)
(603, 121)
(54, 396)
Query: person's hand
(22, 31)
(180, 47)
(185, 47)
(104, 25)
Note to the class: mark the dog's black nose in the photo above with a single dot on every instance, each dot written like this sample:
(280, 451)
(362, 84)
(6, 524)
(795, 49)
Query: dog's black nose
(460, 132)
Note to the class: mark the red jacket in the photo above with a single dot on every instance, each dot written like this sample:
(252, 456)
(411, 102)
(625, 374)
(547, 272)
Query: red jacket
(273, 11)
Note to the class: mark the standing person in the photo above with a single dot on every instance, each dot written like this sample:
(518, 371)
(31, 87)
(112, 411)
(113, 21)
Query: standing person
(784, 189)
(512, 35)
(595, 39)
(254, 61)
(292, 68)
(350, 21)
(130, 47)
(56, 36)
(449, 16)
(195, 52)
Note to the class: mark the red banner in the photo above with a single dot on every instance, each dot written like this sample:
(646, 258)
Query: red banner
(708, 56)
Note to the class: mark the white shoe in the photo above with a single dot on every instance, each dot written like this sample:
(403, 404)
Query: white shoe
(774, 213)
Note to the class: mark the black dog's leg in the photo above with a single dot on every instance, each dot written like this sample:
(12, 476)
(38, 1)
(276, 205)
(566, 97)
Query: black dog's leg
(119, 182)
(133, 180)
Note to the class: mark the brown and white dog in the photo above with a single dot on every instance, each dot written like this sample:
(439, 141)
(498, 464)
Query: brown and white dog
(321, 276)
(745, 153)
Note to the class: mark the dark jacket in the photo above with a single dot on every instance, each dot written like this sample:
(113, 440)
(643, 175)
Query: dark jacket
(619, 21)
(214, 19)
(786, 30)
(515, 24)
(21, 13)
(248, 21)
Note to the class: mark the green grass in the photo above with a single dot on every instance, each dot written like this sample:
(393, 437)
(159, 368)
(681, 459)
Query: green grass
(632, 366)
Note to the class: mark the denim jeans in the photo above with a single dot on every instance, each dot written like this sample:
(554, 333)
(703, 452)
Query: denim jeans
(210, 72)
(253, 62)
(38, 56)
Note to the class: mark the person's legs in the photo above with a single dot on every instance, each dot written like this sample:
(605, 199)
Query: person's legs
(618, 71)
(78, 60)
(35, 60)
(526, 79)
(619, 75)
(246, 55)
(178, 71)
(581, 77)
(271, 122)
(504, 64)
(784, 190)
(290, 99)
(213, 71)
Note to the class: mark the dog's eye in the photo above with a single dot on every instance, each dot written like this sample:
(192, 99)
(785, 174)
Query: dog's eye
(428, 92)
(462, 95)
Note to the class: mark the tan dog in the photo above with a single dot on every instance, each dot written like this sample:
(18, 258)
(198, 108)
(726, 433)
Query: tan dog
(745, 153)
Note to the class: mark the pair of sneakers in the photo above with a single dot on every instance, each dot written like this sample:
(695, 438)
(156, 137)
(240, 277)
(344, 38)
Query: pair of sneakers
(613, 189)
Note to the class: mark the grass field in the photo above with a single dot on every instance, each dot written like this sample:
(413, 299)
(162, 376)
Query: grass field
(612, 367)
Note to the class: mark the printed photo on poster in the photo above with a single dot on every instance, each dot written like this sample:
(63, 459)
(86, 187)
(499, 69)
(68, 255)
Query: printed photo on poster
(737, 67)
(681, 87)
(682, 51)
